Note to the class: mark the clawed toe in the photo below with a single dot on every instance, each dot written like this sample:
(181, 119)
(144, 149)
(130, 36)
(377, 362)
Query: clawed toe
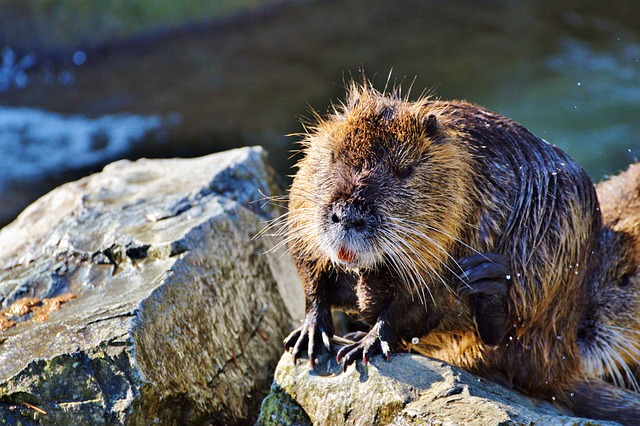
(314, 335)
(488, 287)
(292, 338)
(350, 354)
(481, 267)
(372, 343)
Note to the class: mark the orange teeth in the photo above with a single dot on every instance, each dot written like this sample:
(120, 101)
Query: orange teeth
(346, 255)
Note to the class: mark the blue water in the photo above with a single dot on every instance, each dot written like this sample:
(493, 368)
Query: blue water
(587, 101)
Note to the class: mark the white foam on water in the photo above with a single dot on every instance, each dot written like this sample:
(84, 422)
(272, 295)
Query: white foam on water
(34, 143)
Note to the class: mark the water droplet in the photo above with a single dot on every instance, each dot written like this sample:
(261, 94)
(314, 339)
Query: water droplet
(576, 272)
(508, 277)
(564, 357)
(415, 341)
(79, 58)
(579, 84)
(510, 337)
(572, 394)
(553, 398)
(518, 274)
(629, 149)
(559, 337)
(554, 173)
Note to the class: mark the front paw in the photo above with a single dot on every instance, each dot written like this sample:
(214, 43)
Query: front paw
(483, 274)
(377, 340)
(314, 334)
(485, 281)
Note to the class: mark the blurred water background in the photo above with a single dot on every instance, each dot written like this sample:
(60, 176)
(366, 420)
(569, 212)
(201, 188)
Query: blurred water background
(84, 83)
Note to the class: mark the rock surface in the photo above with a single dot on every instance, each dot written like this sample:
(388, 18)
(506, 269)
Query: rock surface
(179, 315)
(409, 390)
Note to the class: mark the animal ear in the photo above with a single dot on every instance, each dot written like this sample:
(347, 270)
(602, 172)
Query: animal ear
(431, 126)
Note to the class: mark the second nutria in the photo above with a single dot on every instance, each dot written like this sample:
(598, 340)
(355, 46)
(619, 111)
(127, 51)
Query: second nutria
(391, 194)
(609, 333)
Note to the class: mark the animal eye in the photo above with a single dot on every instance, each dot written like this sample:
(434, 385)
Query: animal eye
(625, 281)
(404, 172)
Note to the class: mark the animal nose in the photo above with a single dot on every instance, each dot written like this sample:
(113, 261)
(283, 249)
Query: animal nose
(349, 219)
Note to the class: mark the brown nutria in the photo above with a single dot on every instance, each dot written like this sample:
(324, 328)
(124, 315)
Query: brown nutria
(395, 201)
(609, 333)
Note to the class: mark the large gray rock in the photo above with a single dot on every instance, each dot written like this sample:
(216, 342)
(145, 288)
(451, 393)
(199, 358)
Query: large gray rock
(179, 315)
(409, 390)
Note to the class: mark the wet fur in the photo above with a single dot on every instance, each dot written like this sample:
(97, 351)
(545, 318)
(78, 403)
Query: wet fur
(444, 180)
(609, 332)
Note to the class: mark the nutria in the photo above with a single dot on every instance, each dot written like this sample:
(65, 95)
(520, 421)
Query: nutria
(395, 202)
(609, 333)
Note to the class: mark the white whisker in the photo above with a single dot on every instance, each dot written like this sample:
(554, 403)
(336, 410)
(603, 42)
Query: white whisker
(413, 238)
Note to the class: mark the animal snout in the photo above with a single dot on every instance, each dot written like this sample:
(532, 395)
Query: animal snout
(349, 219)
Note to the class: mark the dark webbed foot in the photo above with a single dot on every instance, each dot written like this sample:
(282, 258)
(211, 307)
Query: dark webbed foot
(377, 340)
(485, 284)
(314, 334)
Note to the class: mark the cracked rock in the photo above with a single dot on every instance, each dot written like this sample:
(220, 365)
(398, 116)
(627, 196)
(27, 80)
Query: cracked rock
(179, 315)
